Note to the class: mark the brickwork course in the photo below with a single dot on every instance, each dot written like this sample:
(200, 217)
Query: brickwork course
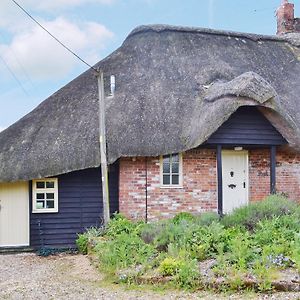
(199, 189)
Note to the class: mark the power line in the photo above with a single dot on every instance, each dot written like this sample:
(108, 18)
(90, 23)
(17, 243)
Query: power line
(264, 9)
(13, 75)
(18, 61)
(45, 29)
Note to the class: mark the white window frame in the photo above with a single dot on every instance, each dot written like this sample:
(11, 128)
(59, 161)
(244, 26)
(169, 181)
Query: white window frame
(175, 186)
(36, 190)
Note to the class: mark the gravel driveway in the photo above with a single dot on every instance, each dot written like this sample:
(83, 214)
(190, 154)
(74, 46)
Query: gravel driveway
(28, 276)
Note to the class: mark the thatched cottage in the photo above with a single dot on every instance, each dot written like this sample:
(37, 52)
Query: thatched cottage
(200, 120)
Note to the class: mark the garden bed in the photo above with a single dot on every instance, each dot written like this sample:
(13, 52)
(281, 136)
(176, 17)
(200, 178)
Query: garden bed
(256, 247)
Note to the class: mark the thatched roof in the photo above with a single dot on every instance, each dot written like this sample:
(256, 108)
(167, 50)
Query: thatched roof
(174, 87)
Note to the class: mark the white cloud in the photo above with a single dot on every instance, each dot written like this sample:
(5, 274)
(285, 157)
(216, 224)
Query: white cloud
(66, 4)
(43, 58)
(47, 5)
(12, 18)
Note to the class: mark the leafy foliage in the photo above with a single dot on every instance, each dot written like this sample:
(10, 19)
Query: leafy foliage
(170, 266)
(123, 251)
(249, 216)
(188, 275)
(119, 224)
(45, 251)
(207, 218)
(82, 243)
(183, 216)
(257, 241)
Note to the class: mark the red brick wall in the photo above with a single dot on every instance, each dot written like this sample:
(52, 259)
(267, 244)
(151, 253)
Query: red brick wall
(259, 174)
(197, 194)
(199, 190)
(288, 175)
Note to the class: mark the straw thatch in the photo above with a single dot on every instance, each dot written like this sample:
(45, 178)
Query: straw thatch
(174, 87)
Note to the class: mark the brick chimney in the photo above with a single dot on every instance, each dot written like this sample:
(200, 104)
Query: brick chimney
(286, 21)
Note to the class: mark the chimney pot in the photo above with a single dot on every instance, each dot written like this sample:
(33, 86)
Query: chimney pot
(286, 21)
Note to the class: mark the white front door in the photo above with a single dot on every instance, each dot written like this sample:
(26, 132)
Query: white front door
(14, 214)
(235, 179)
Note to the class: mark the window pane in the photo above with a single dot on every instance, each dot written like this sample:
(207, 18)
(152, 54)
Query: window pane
(40, 184)
(50, 184)
(175, 179)
(40, 196)
(50, 196)
(40, 204)
(166, 168)
(50, 203)
(175, 157)
(166, 159)
(175, 168)
(166, 179)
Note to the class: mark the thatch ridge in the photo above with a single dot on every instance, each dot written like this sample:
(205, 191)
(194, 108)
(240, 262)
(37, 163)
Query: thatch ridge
(174, 87)
(292, 38)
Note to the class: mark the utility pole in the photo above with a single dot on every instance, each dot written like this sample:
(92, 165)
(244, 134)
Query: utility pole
(102, 140)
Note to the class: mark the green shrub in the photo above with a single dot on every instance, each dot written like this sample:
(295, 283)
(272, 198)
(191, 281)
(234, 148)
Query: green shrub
(222, 265)
(248, 216)
(94, 232)
(205, 219)
(188, 275)
(119, 225)
(183, 216)
(123, 251)
(263, 272)
(275, 231)
(82, 243)
(204, 240)
(170, 266)
(240, 251)
(172, 233)
(185, 271)
(46, 251)
(235, 278)
(257, 240)
(150, 232)
(295, 251)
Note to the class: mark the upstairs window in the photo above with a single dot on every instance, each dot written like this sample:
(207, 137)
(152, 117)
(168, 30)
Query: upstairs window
(45, 195)
(171, 170)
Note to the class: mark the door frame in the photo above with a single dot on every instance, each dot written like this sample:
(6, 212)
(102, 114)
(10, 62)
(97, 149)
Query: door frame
(220, 151)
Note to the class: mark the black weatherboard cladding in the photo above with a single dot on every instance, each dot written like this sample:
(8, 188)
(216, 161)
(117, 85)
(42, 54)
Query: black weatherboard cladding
(247, 126)
(80, 207)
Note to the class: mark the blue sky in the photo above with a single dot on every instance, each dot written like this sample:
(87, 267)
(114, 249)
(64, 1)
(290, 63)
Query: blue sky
(33, 66)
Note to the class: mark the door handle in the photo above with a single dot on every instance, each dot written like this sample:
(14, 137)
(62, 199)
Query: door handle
(232, 186)
(244, 184)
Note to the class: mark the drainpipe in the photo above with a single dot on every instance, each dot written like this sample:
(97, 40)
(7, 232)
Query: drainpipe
(146, 189)
(273, 170)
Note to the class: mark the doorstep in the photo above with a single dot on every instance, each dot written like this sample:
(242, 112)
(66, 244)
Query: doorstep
(11, 250)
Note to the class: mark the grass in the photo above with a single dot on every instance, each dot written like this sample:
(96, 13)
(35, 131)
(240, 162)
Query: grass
(258, 241)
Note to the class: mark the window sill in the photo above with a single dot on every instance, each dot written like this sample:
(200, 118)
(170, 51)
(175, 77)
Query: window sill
(45, 211)
(171, 187)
